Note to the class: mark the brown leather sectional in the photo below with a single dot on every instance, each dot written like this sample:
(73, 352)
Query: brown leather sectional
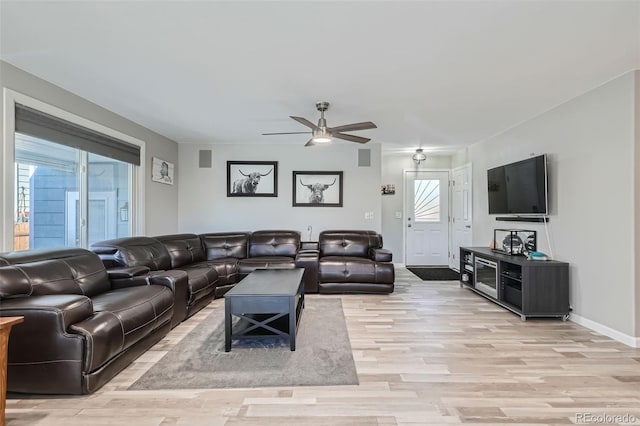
(89, 314)
(81, 325)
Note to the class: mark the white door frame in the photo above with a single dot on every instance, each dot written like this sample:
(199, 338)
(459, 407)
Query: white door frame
(404, 205)
(451, 212)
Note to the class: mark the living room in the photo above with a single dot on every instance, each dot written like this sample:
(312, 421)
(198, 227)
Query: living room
(479, 83)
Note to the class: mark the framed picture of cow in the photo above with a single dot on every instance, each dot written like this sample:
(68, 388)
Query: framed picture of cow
(317, 189)
(252, 178)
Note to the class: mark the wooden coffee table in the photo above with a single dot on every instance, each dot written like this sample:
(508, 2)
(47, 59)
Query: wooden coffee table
(260, 300)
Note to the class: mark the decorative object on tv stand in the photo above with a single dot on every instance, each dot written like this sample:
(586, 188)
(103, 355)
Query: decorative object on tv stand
(252, 178)
(514, 241)
(161, 171)
(419, 156)
(317, 189)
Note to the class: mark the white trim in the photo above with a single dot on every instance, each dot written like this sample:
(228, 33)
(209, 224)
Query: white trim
(399, 265)
(10, 98)
(634, 342)
(456, 265)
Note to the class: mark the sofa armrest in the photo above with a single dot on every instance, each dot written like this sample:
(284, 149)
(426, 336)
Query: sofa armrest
(121, 273)
(308, 259)
(59, 311)
(178, 282)
(381, 255)
(43, 355)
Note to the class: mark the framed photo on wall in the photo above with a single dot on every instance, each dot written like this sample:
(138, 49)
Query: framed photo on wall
(317, 189)
(162, 171)
(252, 178)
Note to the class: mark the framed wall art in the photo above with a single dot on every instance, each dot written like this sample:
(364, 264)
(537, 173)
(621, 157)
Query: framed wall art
(252, 178)
(162, 171)
(317, 189)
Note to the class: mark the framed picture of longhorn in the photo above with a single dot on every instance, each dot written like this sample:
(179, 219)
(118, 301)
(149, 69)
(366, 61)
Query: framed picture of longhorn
(252, 178)
(317, 189)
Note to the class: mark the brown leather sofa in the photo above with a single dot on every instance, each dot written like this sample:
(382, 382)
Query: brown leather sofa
(354, 262)
(82, 325)
(180, 252)
(229, 255)
(235, 255)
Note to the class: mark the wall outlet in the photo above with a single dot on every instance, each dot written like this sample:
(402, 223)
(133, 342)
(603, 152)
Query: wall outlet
(398, 215)
(368, 215)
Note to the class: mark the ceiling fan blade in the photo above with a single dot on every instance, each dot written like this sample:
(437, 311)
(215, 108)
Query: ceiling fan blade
(286, 133)
(310, 143)
(355, 126)
(305, 122)
(350, 138)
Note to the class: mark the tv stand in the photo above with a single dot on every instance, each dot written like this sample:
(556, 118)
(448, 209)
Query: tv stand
(529, 288)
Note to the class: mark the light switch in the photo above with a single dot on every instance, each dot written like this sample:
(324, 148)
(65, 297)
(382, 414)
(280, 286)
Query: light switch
(398, 215)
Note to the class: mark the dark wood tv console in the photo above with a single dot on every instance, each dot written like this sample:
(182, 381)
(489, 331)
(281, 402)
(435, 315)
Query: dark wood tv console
(529, 288)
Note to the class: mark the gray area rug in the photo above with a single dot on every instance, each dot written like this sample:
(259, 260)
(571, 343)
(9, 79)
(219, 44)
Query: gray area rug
(322, 356)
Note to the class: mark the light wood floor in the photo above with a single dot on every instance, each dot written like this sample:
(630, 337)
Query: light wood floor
(429, 354)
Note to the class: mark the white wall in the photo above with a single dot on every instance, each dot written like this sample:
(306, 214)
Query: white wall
(205, 207)
(590, 145)
(393, 166)
(637, 203)
(158, 197)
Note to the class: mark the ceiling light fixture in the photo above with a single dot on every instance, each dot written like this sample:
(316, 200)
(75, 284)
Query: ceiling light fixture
(321, 136)
(419, 156)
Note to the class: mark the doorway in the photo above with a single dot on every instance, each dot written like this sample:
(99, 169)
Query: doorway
(426, 213)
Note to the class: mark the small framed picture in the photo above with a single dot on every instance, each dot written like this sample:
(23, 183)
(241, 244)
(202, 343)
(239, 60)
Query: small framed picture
(317, 189)
(161, 171)
(388, 189)
(252, 178)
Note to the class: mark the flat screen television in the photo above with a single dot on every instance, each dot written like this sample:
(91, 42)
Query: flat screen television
(519, 188)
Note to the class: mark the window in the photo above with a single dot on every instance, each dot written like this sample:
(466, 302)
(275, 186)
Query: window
(427, 200)
(73, 185)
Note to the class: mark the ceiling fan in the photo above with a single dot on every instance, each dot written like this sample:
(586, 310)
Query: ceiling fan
(322, 134)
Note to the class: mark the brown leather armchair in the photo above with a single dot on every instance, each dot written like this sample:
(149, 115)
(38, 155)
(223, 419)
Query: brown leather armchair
(354, 261)
(82, 326)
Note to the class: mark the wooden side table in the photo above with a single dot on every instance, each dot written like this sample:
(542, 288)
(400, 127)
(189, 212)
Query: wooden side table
(5, 328)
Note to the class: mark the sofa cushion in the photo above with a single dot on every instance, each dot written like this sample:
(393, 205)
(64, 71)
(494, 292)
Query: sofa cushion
(227, 269)
(343, 244)
(202, 280)
(64, 271)
(225, 244)
(139, 310)
(134, 251)
(344, 269)
(184, 249)
(13, 282)
(246, 266)
(274, 243)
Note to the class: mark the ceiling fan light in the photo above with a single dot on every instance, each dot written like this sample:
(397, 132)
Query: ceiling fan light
(321, 139)
(321, 136)
(419, 156)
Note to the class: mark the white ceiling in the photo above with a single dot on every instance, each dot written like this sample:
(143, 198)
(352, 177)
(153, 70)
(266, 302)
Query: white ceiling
(435, 74)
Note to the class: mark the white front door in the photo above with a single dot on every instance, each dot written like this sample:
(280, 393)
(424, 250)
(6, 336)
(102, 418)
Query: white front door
(461, 213)
(427, 218)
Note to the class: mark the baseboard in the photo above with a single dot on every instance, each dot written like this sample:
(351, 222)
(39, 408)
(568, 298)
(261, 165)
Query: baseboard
(399, 265)
(634, 342)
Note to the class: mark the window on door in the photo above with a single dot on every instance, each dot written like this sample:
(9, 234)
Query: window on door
(67, 194)
(427, 200)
